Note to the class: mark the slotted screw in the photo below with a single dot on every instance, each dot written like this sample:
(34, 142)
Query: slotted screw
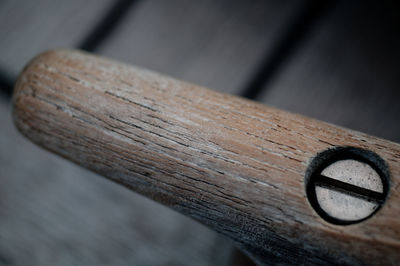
(346, 190)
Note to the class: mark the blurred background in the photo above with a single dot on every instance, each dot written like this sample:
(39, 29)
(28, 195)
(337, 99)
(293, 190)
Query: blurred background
(337, 61)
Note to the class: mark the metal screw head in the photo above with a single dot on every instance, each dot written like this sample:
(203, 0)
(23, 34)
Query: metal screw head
(348, 185)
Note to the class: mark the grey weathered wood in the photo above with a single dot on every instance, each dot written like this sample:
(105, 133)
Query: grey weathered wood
(347, 71)
(30, 27)
(234, 165)
(218, 44)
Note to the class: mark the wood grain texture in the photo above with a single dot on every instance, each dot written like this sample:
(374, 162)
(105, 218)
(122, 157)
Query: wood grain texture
(214, 43)
(232, 164)
(53, 212)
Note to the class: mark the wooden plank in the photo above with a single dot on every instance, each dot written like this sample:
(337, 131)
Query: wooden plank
(235, 165)
(218, 44)
(30, 27)
(346, 72)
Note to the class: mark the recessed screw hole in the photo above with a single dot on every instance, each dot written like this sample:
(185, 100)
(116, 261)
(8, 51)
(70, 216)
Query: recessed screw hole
(347, 185)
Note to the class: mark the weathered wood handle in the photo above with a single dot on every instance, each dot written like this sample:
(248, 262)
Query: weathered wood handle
(235, 165)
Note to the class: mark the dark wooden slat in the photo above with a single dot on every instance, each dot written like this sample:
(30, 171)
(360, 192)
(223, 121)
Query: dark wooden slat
(6, 84)
(285, 45)
(347, 72)
(106, 25)
(217, 44)
(30, 27)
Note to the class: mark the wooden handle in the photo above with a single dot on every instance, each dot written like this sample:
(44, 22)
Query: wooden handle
(233, 164)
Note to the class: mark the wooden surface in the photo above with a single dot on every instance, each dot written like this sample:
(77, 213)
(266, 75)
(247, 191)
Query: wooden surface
(346, 70)
(30, 27)
(56, 213)
(356, 86)
(215, 44)
(218, 44)
(232, 164)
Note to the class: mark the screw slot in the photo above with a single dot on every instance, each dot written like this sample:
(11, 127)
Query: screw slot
(347, 185)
